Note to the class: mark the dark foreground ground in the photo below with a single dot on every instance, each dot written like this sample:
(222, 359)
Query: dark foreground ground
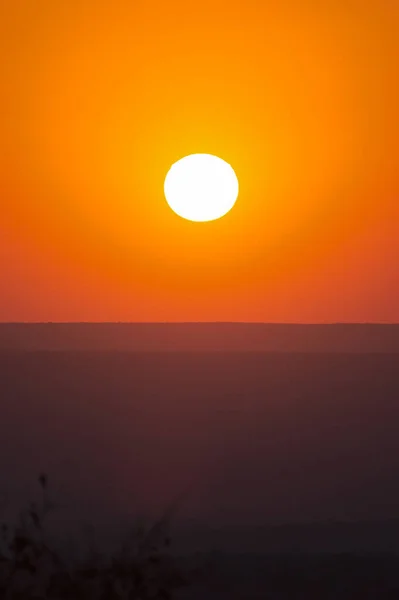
(299, 577)
(288, 462)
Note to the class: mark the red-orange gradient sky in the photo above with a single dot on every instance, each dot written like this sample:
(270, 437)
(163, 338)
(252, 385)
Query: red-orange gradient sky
(99, 98)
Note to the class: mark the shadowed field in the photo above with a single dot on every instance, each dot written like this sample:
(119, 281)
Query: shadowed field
(279, 455)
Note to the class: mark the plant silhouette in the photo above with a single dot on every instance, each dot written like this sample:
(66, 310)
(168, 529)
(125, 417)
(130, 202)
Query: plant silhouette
(141, 569)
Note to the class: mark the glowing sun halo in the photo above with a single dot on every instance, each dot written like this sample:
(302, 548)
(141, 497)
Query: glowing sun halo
(201, 187)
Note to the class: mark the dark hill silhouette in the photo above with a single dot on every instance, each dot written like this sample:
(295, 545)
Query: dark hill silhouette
(154, 337)
(291, 459)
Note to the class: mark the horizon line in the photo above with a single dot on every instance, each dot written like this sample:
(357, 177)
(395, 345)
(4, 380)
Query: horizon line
(291, 323)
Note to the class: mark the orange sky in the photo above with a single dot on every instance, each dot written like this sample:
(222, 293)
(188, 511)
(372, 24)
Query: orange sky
(99, 98)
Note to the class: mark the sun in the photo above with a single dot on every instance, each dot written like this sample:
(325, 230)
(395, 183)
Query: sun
(201, 187)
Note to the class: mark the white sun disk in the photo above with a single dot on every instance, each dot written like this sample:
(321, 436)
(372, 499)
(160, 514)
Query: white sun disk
(201, 187)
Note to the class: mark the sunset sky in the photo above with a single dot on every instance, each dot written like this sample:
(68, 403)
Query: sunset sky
(99, 98)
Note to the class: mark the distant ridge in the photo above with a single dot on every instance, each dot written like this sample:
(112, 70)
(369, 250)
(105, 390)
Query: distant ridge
(201, 337)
